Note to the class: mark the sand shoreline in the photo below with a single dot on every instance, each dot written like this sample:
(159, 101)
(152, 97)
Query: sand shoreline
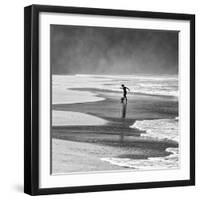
(77, 157)
(68, 118)
(116, 136)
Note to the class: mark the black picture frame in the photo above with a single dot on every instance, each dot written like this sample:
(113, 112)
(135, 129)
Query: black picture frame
(31, 98)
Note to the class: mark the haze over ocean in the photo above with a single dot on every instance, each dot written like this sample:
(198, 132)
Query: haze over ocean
(100, 50)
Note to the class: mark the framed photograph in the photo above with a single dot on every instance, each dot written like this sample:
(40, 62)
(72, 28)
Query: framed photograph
(109, 99)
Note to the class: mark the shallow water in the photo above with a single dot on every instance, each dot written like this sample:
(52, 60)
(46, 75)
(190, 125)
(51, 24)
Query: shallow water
(152, 163)
(166, 85)
(152, 85)
(161, 129)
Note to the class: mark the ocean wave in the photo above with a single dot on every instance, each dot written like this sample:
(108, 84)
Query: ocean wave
(161, 129)
(148, 85)
(158, 128)
(143, 84)
(151, 163)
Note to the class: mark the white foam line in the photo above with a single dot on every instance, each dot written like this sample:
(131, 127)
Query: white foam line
(161, 129)
(151, 163)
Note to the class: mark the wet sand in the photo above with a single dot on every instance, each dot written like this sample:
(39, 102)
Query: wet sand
(80, 148)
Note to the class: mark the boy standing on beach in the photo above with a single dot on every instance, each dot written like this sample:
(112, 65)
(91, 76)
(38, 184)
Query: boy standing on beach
(124, 88)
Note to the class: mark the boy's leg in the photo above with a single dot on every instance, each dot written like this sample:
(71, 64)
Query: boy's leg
(125, 97)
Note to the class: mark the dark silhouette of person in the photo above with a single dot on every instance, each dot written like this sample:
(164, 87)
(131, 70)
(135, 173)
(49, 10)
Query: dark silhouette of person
(124, 88)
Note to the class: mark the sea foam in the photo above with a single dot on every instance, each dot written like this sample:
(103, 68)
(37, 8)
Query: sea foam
(160, 129)
(144, 84)
(151, 163)
(148, 85)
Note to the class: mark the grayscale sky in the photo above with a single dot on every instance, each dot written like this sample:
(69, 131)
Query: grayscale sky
(100, 50)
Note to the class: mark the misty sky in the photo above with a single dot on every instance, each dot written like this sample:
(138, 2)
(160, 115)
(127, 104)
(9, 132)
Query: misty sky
(99, 50)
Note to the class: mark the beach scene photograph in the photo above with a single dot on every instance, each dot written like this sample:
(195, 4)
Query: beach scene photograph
(114, 99)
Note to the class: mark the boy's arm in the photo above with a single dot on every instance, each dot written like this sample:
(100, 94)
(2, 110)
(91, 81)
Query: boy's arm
(128, 89)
